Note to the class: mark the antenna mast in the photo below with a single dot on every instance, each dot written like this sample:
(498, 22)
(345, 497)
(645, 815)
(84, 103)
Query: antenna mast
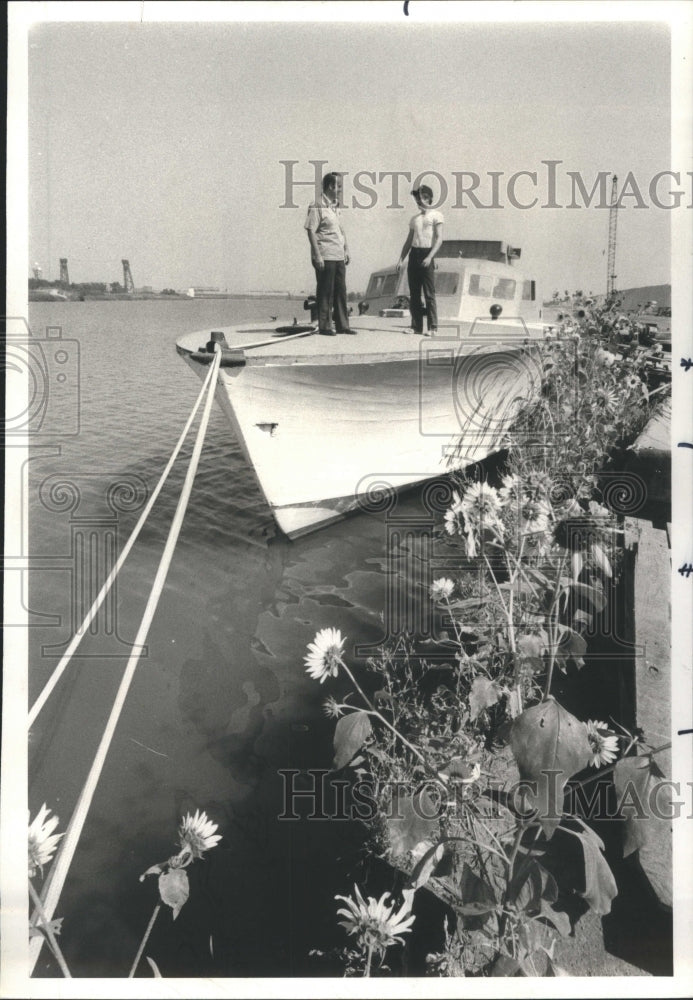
(611, 255)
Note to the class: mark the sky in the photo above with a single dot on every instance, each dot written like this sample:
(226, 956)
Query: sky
(163, 143)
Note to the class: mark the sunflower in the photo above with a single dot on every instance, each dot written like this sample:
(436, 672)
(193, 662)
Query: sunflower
(42, 840)
(453, 518)
(481, 506)
(442, 589)
(605, 398)
(604, 743)
(331, 708)
(511, 489)
(535, 516)
(325, 654)
(375, 923)
(198, 834)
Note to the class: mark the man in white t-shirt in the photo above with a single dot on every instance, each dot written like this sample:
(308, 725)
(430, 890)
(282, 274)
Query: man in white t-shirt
(423, 242)
(330, 255)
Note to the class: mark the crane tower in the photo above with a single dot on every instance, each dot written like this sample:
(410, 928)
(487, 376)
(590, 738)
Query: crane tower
(611, 254)
(128, 283)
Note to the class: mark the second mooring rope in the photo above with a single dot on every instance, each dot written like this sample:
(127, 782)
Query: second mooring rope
(63, 859)
(91, 614)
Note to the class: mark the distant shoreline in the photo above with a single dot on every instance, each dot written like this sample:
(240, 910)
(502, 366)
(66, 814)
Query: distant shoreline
(153, 297)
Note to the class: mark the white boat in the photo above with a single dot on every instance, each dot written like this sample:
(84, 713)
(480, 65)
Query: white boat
(330, 423)
(47, 295)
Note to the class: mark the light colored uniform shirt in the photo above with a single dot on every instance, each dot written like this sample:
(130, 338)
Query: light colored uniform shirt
(422, 225)
(324, 220)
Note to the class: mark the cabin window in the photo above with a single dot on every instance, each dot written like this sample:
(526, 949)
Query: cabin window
(529, 291)
(446, 282)
(480, 284)
(390, 284)
(382, 284)
(504, 288)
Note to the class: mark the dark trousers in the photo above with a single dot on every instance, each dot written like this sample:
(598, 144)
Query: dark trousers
(421, 279)
(331, 294)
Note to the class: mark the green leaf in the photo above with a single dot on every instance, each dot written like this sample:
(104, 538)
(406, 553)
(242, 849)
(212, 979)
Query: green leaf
(514, 703)
(427, 865)
(582, 621)
(409, 823)
(600, 884)
(536, 574)
(532, 648)
(535, 937)
(478, 897)
(350, 733)
(571, 646)
(174, 889)
(505, 966)
(550, 746)
(559, 919)
(484, 693)
(154, 967)
(632, 776)
(595, 595)
(533, 886)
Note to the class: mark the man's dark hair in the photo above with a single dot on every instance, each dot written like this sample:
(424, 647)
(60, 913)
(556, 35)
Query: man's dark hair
(424, 192)
(329, 179)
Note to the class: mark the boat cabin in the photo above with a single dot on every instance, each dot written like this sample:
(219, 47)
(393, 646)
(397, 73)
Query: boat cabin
(471, 276)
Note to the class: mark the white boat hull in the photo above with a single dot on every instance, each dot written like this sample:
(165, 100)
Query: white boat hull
(323, 436)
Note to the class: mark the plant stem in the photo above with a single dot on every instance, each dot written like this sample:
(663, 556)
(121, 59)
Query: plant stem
(49, 931)
(144, 940)
(376, 713)
(367, 971)
(528, 860)
(495, 582)
(458, 634)
(553, 636)
(515, 848)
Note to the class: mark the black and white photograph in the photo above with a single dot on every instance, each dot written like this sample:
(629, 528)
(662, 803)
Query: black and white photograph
(348, 460)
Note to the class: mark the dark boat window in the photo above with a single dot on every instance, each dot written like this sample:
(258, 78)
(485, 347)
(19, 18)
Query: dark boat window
(382, 284)
(390, 284)
(504, 288)
(446, 282)
(480, 284)
(528, 291)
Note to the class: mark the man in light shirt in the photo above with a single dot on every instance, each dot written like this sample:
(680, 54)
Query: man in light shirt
(423, 242)
(330, 255)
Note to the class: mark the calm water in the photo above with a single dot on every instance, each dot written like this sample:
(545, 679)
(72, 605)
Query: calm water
(221, 700)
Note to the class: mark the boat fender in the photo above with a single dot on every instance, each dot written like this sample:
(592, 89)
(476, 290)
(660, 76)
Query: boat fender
(229, 357)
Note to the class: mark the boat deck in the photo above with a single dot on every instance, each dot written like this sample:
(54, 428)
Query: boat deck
(378, 339)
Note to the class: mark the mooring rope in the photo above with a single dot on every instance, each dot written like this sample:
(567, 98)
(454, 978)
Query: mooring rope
(91, 614)
(63, 859)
